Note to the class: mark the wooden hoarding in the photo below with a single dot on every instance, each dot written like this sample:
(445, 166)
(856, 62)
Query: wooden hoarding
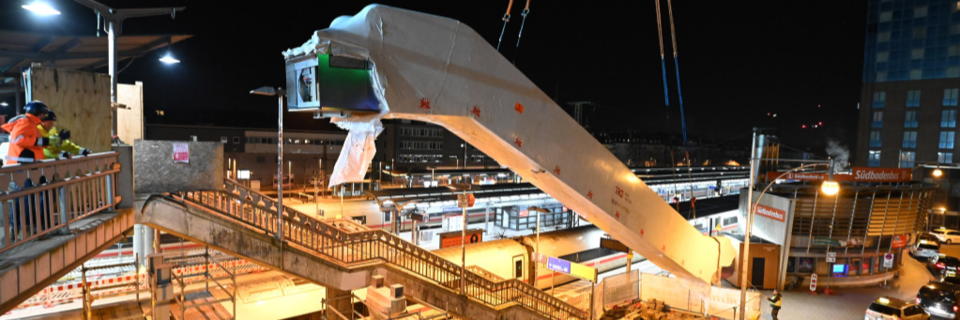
(81, 101)
(130, 117)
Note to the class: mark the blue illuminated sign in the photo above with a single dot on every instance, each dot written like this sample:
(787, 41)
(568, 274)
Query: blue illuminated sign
(560, 265)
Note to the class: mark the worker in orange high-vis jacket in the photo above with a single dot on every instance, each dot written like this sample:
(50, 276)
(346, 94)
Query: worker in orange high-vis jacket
(26, 143)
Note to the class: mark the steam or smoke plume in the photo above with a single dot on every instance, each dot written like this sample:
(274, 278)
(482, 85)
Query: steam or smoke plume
(839, 153)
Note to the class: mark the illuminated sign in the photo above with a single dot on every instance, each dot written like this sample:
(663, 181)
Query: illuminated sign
(243, 174)
(900, 241)
(775, 214)
(557, 264)
(452, 239)
(571, 268)
(858, 174)
(583, 272)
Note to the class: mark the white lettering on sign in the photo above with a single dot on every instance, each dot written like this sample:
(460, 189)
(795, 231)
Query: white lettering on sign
(775, 214)
(805, 176)
(813, 282)
(876, 175)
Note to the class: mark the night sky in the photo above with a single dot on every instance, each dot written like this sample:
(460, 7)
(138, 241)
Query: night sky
(738, 60)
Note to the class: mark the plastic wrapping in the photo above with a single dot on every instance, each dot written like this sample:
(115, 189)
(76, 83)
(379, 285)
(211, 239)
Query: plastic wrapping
(438, 70)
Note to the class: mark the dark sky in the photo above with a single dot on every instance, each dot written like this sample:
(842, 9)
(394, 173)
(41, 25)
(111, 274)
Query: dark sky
(739, 60)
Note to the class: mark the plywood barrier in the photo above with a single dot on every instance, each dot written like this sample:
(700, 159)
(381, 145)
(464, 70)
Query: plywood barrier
(81, 101)
(130, 118)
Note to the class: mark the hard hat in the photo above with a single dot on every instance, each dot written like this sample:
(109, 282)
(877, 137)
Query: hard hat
(49, 116)
(37, 108)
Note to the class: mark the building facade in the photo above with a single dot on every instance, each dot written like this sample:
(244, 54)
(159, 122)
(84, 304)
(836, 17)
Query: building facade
(414, 146)
(306, 154)
(911, 79)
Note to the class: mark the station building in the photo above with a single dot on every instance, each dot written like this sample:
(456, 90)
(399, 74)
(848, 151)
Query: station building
(878, 211)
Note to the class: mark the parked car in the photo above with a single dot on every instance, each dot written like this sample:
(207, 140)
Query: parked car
(948, 236)
(886, 308)
(925, 249)
(929, 236)
(939, 299)
(943, 266)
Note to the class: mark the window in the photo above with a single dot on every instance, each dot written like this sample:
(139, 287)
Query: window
(953, 51)
(944, 157)
(877, 121)
(910, 119)
(879, 99)
(916, 74)
(236, 140)
(949, 119)
(873, 159)
(919, 12)
(953, 72)
(421, 132)
(919, 32)
(193, 138)
(883, 57)
(907, 158)
(421, 145)
(955, 29)
(223, 139)
(950, 97)
(946, 139)
(881, 76)
(886, 16)
(909, 139)
(913, 98)
(874, 139)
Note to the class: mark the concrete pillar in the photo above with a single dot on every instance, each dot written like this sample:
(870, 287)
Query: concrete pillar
(143, 237)
(338, 300)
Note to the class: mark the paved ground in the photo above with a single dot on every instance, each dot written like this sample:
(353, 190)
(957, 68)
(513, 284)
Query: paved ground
(851, 303)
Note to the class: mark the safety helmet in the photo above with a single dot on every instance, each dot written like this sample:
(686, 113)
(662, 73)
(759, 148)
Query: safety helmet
(49, 116)
(36, 108)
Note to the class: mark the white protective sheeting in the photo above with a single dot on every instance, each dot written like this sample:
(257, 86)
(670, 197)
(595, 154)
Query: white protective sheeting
(438, 70)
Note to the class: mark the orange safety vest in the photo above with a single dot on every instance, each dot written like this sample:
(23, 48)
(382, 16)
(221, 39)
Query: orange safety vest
(26, 144)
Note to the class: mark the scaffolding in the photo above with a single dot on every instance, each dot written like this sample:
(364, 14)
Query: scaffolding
(210, 267)
(107, 289)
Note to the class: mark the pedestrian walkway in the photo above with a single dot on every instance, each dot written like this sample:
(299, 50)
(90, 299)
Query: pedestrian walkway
(849, 303)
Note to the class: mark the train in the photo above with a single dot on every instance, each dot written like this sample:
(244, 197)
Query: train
(511, 258)
(728, 221)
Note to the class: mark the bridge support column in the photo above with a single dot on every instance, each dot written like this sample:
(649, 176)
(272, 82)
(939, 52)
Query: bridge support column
(338, 300)
(143, 238)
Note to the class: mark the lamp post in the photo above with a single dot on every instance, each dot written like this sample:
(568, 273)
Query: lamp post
(538, 210)
(280, 94)
(463, 238)
(829, 187)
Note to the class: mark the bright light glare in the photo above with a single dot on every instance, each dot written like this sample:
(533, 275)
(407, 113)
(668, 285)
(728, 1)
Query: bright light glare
(830, 187)
(937, 173)
(4, 104)
(41, 8)
(168, 59)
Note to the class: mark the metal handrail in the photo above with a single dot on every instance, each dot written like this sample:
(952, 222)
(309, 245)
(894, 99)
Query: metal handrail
(58, 193)
(354, 247)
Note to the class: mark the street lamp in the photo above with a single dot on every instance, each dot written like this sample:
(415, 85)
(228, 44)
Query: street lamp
(538, 210)
(463, 237)
(279, 93)
(829, 187)
(41, 8)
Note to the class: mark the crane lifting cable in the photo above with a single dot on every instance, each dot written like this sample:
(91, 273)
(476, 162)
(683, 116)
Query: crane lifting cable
(506, 18)
(663, 65)
(526, 11)
(676, 66)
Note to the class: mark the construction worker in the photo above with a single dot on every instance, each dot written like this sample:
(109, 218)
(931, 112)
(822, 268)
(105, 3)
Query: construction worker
(65, 149)
(26, 144)
(776, 301)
